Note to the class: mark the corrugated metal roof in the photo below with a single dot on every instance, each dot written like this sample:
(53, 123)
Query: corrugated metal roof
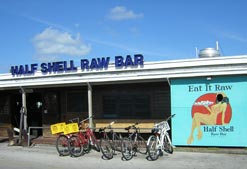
(150, 71)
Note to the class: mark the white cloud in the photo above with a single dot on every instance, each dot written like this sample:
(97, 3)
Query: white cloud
(53, 42)
(47, 23)
(129, 49)
(234, 36)
(121, 13)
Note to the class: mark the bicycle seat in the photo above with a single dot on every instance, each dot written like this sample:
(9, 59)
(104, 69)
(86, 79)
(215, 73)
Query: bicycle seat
(155, 130)
(127, 128)
(101, 130)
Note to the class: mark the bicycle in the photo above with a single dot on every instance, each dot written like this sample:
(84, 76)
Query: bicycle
(83, 142)
(110, 142)
(62, 145)
(160, 140)
(105, 144)
(62, 142)
(133, 143)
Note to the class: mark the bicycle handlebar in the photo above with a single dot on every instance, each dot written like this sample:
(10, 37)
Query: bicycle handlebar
(74, 119)
(132, 126)
(111, 123)
(171, 116)
(107, 127)
(85, 119)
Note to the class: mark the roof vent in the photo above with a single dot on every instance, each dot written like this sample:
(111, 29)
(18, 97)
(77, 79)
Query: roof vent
(209, 52)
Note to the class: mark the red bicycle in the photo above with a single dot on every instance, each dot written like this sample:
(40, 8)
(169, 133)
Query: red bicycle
(62, 142)
(62, 145)
(83, 142)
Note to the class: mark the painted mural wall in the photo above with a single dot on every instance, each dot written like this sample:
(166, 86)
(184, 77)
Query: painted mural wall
(209, 111)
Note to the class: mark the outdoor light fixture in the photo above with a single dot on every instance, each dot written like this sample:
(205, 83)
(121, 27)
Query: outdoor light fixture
(209, 78)
(39, 104)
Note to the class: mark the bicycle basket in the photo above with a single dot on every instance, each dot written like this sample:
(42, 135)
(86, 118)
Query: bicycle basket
(71, 128)
(166, 126)
(163, 125)
(83, 125)
(57, 128)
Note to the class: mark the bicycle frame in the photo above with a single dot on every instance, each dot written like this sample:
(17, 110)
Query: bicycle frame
(160, 141)
(108, 145)
(164, 128)
(134, 135)
(133, 143)
(88, 136)
(115, 140)
(83, 141)
(61, 144)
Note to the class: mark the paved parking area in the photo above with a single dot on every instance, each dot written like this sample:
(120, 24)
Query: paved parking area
(15, 157)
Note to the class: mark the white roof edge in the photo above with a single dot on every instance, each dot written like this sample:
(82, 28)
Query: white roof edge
(151, 70)
(147, 66)
(204, 59)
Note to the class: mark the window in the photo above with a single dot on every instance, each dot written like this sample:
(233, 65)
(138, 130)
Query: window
(4, 105)
(142, 106)
(51, 103)
(109, 106)
(77, 102)
(126, 106)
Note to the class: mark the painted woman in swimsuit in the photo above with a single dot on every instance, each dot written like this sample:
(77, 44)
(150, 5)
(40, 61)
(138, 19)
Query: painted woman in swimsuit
(211, 118)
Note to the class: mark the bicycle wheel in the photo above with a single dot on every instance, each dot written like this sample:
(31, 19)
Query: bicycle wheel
(116, 142)
(106, 148)
(167, 145)
(86, 143)
(126, 148)
(62, 145)
(95, 143)
(141, 145)
(153, 151)
(75, 147)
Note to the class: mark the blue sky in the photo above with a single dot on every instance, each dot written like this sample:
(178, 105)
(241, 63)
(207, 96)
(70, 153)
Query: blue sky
(36, 31)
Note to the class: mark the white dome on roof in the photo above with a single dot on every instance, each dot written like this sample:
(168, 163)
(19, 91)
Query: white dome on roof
(208, 52)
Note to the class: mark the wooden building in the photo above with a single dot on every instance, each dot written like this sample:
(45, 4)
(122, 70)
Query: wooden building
(132, 91)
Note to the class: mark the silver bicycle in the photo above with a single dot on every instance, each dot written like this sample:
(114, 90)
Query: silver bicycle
(160, 140)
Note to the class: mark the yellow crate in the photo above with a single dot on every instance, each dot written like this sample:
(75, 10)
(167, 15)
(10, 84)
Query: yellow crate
(57, 128)
(71, 128)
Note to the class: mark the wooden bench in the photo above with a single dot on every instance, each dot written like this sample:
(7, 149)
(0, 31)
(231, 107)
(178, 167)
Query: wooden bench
(119, 125)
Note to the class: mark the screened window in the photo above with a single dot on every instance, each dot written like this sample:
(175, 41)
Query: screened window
(77, 102)
(126, 106)
(110, 106)
(50, 102)
(4, 105)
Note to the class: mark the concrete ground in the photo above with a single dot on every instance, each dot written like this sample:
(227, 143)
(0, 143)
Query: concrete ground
(228, 150)
(51, 141)
(45, 156)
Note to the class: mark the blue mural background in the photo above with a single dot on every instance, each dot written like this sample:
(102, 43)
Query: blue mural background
(185, 91)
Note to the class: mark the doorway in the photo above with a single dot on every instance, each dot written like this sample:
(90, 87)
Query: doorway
(34, 112)
(16, 104)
